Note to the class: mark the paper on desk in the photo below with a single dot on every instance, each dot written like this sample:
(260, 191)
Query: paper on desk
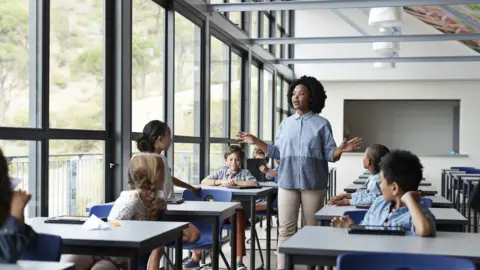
(15, 182)
(94, 223)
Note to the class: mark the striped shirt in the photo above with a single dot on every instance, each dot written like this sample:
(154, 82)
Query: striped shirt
(304, 145)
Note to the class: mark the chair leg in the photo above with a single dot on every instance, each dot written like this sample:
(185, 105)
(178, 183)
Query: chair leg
(224, 259)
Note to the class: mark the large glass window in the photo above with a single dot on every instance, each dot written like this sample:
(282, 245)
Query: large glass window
(267, 106)
(217, 159)
(235, 17)
(76, 64)
(278, 102)
(285, 97)
(148, 38)
(21, 166)
(187, 162)
(219, 88)
(255, 72)
(236, 97)
(266, 29)
(187, 77)
(76, 176)
(14, 63)
(254, 26)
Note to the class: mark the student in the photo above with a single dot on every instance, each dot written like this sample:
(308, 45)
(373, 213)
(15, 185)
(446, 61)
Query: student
(231, 175)
(399, 205)
(371, 190)
(15, 235)
(269, 173)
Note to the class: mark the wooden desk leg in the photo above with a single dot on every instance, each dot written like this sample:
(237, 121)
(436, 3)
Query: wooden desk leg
(233, 242)
(179, 252)
(288, 262)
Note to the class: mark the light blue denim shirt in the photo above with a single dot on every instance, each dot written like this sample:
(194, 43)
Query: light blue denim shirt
(224, 173)
(304, 145)
(367, 196)
(380, 210)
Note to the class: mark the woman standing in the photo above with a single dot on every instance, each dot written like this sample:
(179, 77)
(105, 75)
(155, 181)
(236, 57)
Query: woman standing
(304, 145)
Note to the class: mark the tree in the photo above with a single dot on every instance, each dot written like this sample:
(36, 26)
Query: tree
(13, 51)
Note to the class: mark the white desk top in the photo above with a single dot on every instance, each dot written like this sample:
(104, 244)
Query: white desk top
(328, 241)
(439, 201)
(361, 181)
(353, 188)
(37, 265)
(442, 215)
(269, 184)
(130, 234)
(189, 208)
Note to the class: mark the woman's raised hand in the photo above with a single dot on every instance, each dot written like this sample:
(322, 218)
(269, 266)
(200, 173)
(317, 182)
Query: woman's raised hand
(243, 137)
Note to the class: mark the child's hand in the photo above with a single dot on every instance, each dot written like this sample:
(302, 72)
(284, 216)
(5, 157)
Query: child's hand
(20, 199)
(341, 222)
(229, 183)
(342, 202)
(263, 169)
(335, 198)
(411, 196)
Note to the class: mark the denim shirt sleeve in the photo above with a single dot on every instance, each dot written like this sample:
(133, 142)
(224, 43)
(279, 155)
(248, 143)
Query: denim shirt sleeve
(273, 150)
(329, 144)
(14, 237)
(368, 196)
(431, 219)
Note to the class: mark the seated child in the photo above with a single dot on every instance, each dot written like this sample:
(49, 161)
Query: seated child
(15, 235)
(399, 205)
(371, 190)
(232, 175)
(269, 173)
(145, 176)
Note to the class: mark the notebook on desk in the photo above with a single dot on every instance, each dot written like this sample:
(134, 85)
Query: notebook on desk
(244, 187)
(76, 220)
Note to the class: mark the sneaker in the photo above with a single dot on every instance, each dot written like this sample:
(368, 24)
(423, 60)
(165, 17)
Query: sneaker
(190, 263)
(241, 266)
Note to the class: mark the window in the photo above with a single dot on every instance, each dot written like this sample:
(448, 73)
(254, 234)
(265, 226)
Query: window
(278, 103)
(186, 161)
(235, 17)
(266, 29)
(254, 101)
(236, 98)
(148, 38)
(285, 102)
(76, 64)
(76, 176)
(217, 159)
(219, 89)
(21, 165)
(187, 77)
(254, 26)
(267, 106)
(14, 63)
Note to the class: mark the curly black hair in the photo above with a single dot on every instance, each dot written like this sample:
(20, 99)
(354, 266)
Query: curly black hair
(5, 189)
(315, 89)
(403, 168)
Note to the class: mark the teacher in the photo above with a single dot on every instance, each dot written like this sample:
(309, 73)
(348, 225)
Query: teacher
(304, 145)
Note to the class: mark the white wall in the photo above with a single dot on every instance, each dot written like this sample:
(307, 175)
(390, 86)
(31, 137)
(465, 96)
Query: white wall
(403, 124)
(457, 81)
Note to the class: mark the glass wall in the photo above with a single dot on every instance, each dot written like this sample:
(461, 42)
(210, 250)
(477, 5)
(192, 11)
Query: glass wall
(219, 88)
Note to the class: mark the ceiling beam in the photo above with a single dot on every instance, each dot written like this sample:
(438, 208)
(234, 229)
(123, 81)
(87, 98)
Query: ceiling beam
(337, 4)
(365, 39)
(435, 59)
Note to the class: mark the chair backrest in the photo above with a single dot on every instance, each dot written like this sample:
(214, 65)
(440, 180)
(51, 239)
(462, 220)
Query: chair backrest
(472, 171)
(100, 210)
(395, 261)
(462, 168)
(356, 215)
(217, 195)
(426, 202)
(45, 247)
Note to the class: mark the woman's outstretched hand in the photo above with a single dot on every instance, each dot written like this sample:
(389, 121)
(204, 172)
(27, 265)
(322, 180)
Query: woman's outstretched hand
(243, 137)
(349, 146)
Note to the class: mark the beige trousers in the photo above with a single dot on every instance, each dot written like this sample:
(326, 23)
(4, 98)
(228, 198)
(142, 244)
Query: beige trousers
(289, 201)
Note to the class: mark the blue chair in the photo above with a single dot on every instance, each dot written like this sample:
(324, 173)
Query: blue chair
(426, 202)
(356, 215)
(100, 210)
(395, 261)
(206, 239)
(45, 247)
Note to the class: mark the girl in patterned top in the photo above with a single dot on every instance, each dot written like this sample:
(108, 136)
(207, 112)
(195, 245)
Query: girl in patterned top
(231, 175)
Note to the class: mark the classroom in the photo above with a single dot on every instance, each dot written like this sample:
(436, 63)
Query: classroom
(239, 135)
